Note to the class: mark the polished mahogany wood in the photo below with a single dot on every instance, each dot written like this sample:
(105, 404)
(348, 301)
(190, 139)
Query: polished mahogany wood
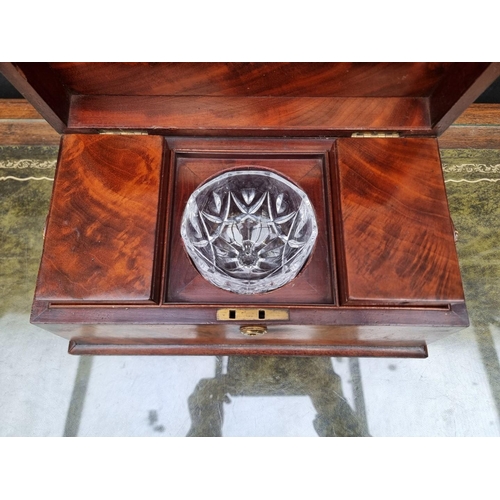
(273, 99)
(397, 236)
(249, 116)
(102, 230)
(314, 284)
(225, 339)
(460, 87)
(150, 349)
(163, 320)
(477, 128)
(253, 79)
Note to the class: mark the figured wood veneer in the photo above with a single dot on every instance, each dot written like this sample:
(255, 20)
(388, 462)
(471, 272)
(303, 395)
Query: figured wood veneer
(101, 235)
(249, 116)
(397, 236)
(253, 79)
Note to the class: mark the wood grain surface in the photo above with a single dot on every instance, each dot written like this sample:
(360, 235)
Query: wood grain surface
(459, 88)
(97, 328)
(477, 128)
(21, 124)
(249, 116)
(101, 236)
(250, 99)
(482, 115)
(18, 109)
(80, 347)
(471, 137)
(28, 133)
(253, 79)
(396, 231)
(314, 284)
(136, 319)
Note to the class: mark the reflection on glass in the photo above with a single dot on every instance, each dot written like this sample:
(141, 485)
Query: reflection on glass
(252, 386)
(249, 231)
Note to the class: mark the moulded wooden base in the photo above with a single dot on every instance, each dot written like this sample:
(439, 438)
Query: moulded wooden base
(78, 347)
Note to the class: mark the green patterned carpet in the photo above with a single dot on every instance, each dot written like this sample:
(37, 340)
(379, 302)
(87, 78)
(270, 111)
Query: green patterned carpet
(26, 175)
(473, 186)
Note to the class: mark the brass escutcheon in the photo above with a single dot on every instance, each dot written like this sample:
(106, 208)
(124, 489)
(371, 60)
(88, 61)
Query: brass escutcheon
(252, 330)
(252, 314)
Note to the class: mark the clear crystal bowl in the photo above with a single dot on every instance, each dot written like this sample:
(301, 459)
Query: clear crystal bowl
(249, 231)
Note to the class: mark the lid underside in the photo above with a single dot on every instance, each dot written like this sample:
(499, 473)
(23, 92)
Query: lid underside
(242, 99)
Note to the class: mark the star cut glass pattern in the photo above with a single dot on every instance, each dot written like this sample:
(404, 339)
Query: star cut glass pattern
(249, 231)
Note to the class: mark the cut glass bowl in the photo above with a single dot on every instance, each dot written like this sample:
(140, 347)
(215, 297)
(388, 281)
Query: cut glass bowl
(249, 231)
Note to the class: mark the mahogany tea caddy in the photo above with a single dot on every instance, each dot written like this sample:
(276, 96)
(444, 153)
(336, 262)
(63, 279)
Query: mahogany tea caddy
(359, 139)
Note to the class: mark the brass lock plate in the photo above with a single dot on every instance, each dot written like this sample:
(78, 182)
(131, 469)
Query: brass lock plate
(252, 314)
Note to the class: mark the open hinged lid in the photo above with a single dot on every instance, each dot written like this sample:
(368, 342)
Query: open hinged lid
(245, 99)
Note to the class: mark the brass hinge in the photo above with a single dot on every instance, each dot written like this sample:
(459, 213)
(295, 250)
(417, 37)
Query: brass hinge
(375, 134)
(122, 132)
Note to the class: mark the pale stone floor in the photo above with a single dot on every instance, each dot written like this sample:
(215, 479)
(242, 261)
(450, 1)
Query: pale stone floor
(46, 392)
